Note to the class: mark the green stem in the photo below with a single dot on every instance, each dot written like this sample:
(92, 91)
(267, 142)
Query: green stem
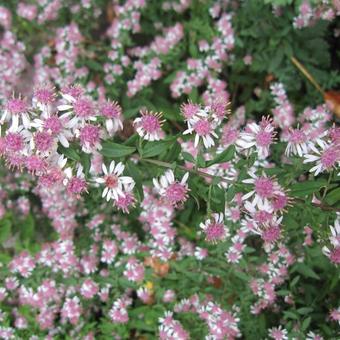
(209, 199)
(327, 185)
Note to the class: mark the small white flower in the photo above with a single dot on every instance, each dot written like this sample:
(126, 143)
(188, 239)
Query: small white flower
(115, 184)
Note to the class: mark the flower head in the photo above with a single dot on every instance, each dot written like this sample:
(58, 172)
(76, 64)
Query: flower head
(115, 184)
(214, 228)
(173, 191)
(149, 125)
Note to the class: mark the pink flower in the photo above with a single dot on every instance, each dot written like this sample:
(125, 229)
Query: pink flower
(173, 191)
(149, 125)
(214, 228)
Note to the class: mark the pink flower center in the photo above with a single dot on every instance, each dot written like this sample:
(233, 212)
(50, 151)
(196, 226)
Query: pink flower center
(329, 157)
(111, 110)
(202, 127)
(83, 108)
(264, 187)
(176, 192)
(229, 136)
(89, 134)
(189, 110)
(43, 141)
(124, 202)
(14, 142)
(280, 202)
(215, 232)
(53, 124)
(271, 234)
(111, 181)
(150, 123)
(44, 96)
(16, 106)
(263, 216)
(76, 185)
(264, 138)
(335, 255)
(297, 137)
(35, 164)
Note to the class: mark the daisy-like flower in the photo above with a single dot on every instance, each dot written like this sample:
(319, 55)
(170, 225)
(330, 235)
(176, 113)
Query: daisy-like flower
(214, 228)
(75, 185)
(149, 125)
(265, 190)
(204, 128)
(297, 143)
(334, 253)
(16, 111)
(89, 136)
(81, 108)
(335, 231)
(326, 158)
(43, 98)
(174, 192)
(57, 127)
(113, 115)
(191, 111)
(115, 185)
(278, 333)
(313, 336)
(260, 136)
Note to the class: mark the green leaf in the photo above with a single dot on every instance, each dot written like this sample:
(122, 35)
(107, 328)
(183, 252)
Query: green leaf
(173, 153)
(290, 315)
(307, 188)
(152, 149)
(333, 196)
(241, 275)
(305, 310)
(217, 199)
(188, 157)
(306, 271)
(134, 172)
(5, 230)
(224, 156)
(306, 323)
(69, 152)
(115, 150)
(27, 230)
(86, 162)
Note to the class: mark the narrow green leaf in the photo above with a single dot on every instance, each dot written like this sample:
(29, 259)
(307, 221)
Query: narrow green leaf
(134, 172)
(115, 150)
(224, 156)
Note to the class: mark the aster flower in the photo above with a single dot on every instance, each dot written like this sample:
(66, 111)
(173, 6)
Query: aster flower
(115, 184)
(75, 184)
(149, 125)
(81, 108)
(333, 251)
(313, 336)
(89, 136)
(214, 228)
(113, 115)
(278, 333)
(265, 190)
(16, 112)
(260, 136)
(204, 128)
(173, 191)
(57, 127)
(326, 158)
(191, 111)
(297, 143)
(43, 98)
